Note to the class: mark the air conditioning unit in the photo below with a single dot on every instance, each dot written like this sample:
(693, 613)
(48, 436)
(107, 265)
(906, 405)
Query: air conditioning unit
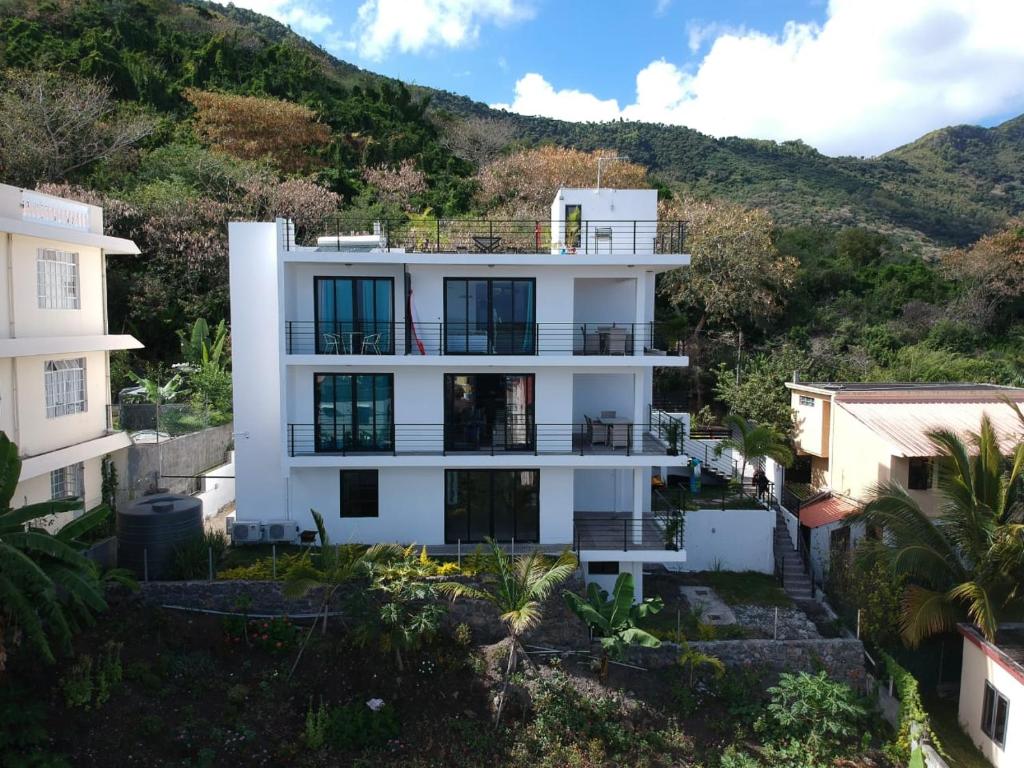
(281, 531)
(245, 532)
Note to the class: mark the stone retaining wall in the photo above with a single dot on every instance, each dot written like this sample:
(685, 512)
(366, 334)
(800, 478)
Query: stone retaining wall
(842, 658)
(560, 628)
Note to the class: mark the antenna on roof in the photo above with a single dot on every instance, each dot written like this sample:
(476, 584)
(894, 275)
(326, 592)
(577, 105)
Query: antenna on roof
(606, 159)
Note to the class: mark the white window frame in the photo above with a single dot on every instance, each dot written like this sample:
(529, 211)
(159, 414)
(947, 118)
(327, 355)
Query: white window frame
(68, 482)
(65, 384)
(990, 715)
(58, 279)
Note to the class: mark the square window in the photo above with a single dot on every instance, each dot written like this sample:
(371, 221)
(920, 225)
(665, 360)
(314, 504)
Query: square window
(359, 493)
(994, 715)
(64, 382)
(57, 283)
(919, 474)
(68, 482)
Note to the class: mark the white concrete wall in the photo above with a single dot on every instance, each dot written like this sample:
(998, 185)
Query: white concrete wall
(812, 423)
(617, 208)
(35, 432)
(257, 337)
(977, 668)
(34, 490)
(596, 392)
(218, 487)
(605, 300)
(19, 302)
(411, 505)
(733, 539)
(603, 490)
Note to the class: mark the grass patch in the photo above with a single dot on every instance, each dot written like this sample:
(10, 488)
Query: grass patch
(957, 745)
(745, 588)
(247, 554)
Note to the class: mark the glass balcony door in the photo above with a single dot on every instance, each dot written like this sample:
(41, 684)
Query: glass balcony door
(354, 412)
(500, 504)
(354, 315)
(489, 411)
(489, 316)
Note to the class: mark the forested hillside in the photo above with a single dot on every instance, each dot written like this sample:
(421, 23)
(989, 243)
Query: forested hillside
(179, 116)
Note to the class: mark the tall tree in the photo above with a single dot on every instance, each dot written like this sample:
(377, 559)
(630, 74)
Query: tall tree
(736, 275)
(968, 561)
(55, 126)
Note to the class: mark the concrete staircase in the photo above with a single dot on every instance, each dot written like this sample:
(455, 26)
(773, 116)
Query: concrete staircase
(795, 582)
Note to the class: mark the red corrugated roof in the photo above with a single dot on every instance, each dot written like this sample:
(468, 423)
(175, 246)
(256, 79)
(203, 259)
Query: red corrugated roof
(831, 509)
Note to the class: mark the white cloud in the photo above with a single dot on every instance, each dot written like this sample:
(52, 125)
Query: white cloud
(661, 6)
(535, 96)
(411, 26)
(875, 75)
(297, 14)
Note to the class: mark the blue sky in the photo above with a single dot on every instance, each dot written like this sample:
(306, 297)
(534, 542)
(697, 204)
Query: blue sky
(847, 76)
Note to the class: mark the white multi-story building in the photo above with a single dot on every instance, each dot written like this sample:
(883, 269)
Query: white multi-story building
(448, 381)
(55, 344)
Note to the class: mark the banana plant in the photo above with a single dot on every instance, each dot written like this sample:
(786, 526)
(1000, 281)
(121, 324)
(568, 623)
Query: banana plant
(613, 620)
(48, 589)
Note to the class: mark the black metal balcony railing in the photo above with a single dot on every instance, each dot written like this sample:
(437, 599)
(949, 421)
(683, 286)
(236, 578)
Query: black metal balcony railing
(622, 237)
(663, 528)
(442, 439)
(310, 337)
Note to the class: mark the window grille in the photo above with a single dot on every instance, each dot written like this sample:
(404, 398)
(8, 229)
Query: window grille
(57, 279)
(65, 387)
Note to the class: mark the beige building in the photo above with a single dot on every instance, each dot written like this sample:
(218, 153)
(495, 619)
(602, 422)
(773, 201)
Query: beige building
(991, 707)
(55, 343)
(852, 436)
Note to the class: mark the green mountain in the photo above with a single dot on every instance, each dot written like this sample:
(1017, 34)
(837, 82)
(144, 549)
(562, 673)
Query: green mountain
(948, 187)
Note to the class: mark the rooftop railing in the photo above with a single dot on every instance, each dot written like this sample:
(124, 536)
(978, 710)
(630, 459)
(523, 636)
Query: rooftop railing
(310, 337)
(427, 235)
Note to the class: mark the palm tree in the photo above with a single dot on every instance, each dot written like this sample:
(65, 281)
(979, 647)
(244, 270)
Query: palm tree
(968, 561)
(753, 442)
(48, 589)
(517, 587)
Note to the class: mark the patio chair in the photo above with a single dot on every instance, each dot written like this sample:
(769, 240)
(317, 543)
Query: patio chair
(371, 341)
(616, 341)
(591, 341)
(332, 343)
(597, 435)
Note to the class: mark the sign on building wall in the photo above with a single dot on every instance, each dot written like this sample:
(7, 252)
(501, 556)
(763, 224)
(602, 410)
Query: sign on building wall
(51, 210)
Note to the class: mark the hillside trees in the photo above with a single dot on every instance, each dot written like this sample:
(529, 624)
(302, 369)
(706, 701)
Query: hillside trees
(991, 271)
(736, 276)
(523, 184)
(54, 127)
(253, 128)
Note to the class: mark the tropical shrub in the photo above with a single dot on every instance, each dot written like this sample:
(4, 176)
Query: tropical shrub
(613, 620)
(811, 717)
(359, 726)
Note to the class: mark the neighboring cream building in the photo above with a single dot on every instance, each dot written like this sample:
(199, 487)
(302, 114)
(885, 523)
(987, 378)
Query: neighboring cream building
(851, 436)
(992, 693)
(55, 344)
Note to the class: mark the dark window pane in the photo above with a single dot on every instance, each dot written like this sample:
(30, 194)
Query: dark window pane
(1002, 711)
(503, 503)
(919, 475)
(603, 568)
(359, 493)
(987, 710)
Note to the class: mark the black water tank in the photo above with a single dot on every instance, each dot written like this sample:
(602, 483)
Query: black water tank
(150, 529)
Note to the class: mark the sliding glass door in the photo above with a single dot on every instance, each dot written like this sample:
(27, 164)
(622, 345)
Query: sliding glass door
(500, 504)
(489, 411)
(489, 316)
(354, 412)
(354, 315)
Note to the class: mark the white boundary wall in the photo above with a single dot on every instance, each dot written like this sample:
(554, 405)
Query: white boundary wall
(733, 540)
(218, 489)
